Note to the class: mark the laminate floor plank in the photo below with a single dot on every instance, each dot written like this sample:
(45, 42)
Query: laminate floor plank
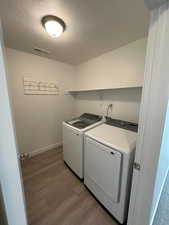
(55, 196)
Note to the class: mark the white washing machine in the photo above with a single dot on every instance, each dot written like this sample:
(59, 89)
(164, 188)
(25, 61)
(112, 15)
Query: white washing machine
(73, 140)
(109, 156)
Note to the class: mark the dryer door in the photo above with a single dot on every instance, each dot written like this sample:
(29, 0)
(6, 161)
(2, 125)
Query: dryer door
(103, 167)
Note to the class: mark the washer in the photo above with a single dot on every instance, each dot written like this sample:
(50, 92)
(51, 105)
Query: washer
(109, 155)
(73, 140)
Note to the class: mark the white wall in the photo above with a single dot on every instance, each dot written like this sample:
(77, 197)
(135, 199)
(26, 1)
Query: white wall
(126, 103)
(123, 65)
(126, 65)
(38, 117)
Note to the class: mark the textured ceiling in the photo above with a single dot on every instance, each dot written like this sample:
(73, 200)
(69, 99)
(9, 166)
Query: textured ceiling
(93, 26)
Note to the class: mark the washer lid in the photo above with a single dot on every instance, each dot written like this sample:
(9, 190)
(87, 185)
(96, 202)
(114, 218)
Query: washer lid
(114, 137)
(84, 121)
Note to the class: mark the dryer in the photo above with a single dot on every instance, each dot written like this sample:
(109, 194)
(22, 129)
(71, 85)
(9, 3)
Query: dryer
(109, 156)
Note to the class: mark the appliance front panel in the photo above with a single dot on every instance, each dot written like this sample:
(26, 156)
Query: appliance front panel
(103, 166)
(73, 149)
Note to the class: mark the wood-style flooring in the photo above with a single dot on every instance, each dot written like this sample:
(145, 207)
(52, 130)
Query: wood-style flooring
(55, 196)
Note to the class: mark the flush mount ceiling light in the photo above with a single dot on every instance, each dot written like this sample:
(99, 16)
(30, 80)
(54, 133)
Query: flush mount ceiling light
(53, 25)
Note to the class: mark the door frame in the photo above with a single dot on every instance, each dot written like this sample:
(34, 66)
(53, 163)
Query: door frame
(10, 173)
(154, 105)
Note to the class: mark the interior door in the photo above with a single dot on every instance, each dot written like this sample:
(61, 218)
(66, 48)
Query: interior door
(152, 120)
(3, 219)
(73, 149)
(10, 176)
(103, 166)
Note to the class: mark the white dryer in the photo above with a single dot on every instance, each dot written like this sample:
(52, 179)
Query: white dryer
(109, 155)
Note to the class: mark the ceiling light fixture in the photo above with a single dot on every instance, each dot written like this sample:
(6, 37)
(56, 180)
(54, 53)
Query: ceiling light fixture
(53, 25)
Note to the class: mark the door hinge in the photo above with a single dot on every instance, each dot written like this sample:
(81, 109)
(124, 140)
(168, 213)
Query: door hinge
(137, 166)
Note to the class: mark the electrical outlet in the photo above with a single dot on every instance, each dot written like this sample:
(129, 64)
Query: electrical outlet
(24, 156)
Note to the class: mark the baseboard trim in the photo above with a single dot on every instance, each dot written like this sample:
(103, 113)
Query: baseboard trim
(159, 197)
(44, 149)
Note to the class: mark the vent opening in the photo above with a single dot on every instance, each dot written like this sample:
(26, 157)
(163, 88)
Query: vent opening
(41, 51)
